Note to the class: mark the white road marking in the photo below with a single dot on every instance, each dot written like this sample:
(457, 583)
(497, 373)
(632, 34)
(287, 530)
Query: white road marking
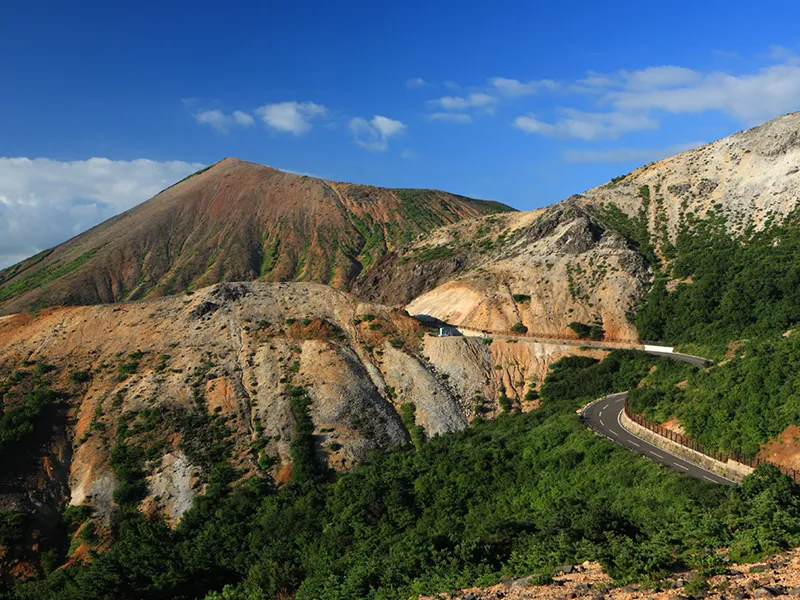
(709, 479)
(614, 433)
(605, 407)
(601, 423)
(656, 454)
(619, 422)
(634, 443)
(600, 414)
(681, 467)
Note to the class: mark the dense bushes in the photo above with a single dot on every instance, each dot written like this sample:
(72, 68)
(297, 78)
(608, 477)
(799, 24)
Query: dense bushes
(738, 405)
(587, 332)
(20, 421)
(508, 497)
(731, 287)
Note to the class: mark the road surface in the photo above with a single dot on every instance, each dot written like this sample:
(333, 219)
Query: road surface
(603, 416)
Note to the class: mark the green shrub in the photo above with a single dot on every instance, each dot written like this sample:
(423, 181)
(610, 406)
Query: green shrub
(13, 525)
(519, 328)
(79, 377)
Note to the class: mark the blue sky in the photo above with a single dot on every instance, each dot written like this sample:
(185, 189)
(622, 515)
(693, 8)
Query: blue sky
(525, 103)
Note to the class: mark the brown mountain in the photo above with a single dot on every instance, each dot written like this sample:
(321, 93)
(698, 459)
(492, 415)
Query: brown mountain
(235, 221)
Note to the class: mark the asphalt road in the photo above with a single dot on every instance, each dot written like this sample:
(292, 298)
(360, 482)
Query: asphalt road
(697, 361)
(604, 417)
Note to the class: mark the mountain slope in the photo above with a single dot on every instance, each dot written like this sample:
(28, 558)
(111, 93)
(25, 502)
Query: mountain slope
(590, 259)
(235, 221)
(751, 178)
(191, 380)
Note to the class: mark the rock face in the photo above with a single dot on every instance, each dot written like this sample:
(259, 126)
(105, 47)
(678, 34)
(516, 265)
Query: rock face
(750, 178)
(182, 375)
(235, 221)
(543, 269)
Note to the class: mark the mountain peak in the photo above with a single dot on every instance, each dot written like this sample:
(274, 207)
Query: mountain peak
(233, 221)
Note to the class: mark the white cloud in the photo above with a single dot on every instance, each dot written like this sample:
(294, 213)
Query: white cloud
(631, 100)
(375, 133)
(291, 117)
(477, 100)
(408, 155)
(453, 117)
(659, 78)
(416, 82)
(451, 85)
(221, 122)
(585, 125)
(642, 155)
(242, 118)
(768, 93)
(44, 202)
(515, 88)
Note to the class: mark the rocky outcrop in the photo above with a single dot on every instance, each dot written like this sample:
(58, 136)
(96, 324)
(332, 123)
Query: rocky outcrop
(543, 269)
(777, 577)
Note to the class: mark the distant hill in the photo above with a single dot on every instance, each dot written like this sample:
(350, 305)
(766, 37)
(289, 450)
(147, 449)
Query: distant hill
(234, 221)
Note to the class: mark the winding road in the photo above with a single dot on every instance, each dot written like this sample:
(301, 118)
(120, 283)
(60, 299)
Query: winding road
(603, 416)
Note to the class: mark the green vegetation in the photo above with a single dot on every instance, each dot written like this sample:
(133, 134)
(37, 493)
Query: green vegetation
(408, 414)
(79, 377)
(587, 332)
(304, 464)
(635, 229)
(20, 421)
(728, 288)
(724, 289)
(520, 298)
(504, 401)
(509, 497)
(736, 406)
(42, 276)
(519, 328)
(13, 525)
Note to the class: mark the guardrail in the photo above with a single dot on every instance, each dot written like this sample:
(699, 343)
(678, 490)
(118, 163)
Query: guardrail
(698, 447)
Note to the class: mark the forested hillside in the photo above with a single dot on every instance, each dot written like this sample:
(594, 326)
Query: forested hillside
(513, 496)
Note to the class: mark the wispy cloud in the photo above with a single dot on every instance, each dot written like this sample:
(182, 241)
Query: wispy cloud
(616, 155)
(516, 88)
(453, 117)
(415, 83)
(375, 133)
(222, 122)
(754, 97)
(477, 100)
(633, 100)
(291, 117)
(44, 202)
(585, 125)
